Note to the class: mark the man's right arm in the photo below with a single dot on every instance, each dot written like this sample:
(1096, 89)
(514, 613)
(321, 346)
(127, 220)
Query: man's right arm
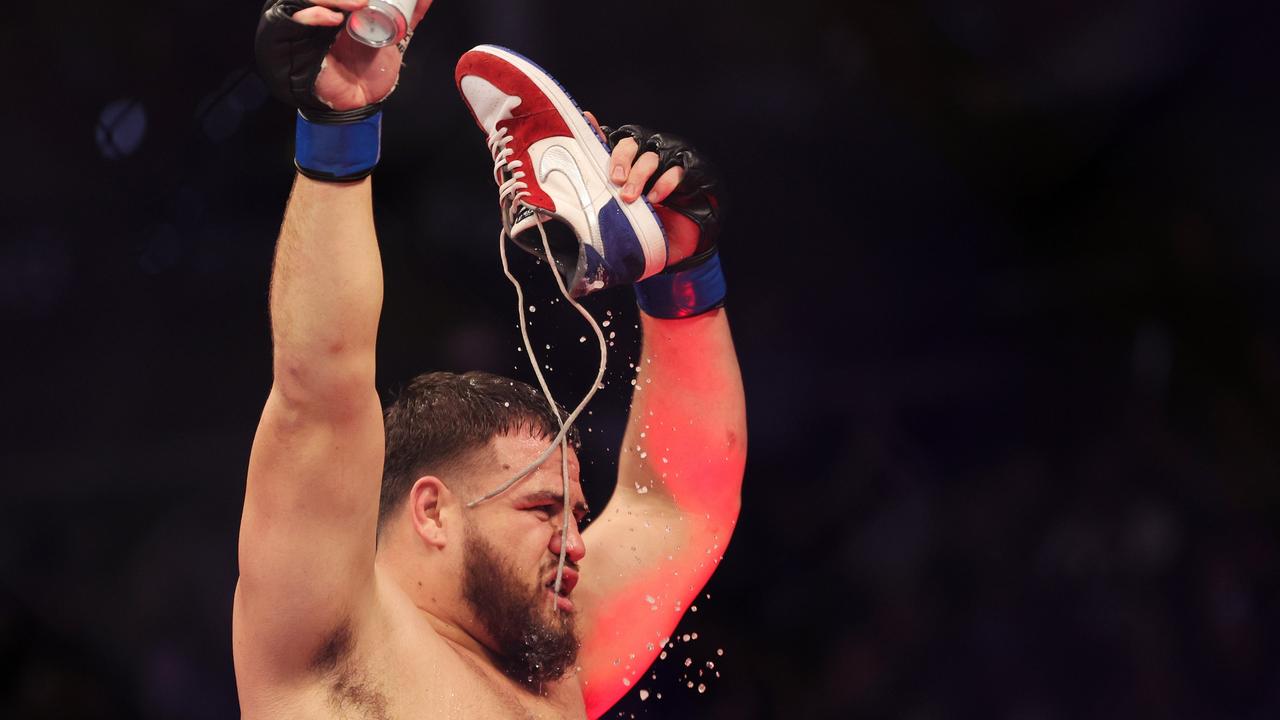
(307, 535)
(308, 532)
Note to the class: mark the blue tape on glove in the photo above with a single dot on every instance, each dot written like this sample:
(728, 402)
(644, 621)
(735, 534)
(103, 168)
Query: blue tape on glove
(339, 151)
(683, 293)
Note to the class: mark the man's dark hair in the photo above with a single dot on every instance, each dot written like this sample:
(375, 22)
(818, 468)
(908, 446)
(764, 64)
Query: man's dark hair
(441, 419)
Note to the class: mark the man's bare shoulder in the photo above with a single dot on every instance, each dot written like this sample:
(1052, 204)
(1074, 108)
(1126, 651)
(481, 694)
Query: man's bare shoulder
(392, 663)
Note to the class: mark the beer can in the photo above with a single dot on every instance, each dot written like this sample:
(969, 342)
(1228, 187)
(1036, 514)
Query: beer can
(382, 23)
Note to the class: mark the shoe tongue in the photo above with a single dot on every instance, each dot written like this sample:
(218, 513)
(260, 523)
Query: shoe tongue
(525, 219)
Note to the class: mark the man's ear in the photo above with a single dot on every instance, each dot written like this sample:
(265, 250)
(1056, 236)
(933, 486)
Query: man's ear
(428, 500)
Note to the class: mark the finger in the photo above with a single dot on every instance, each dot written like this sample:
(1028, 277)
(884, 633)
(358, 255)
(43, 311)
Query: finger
(668, 182)
(595, 124)
(318, 17)
(640, 173)
(624, 155)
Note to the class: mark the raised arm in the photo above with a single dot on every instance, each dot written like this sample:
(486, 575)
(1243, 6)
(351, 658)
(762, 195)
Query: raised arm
(307, 535)
(680, 472)
(311, 500)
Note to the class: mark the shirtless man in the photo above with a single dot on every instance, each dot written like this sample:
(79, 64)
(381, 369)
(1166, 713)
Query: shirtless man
(368, 586)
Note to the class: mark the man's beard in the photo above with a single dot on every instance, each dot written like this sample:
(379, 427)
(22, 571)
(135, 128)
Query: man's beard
(531, 648)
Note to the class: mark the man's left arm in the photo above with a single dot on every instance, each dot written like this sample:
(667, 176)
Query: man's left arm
(684, 450)
(674, 509)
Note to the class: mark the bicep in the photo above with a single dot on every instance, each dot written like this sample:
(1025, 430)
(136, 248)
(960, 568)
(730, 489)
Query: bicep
(645, 564)
(308, 531)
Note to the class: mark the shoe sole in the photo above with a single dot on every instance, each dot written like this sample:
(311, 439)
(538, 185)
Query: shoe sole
(640, 213)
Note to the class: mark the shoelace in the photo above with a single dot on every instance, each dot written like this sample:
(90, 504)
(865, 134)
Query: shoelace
(507, 174)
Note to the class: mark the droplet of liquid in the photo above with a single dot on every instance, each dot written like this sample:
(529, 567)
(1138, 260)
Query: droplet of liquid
(644, 695)
(533, 308)
(702, 688)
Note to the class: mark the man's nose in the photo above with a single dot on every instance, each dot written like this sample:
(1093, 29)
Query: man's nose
(576, 548)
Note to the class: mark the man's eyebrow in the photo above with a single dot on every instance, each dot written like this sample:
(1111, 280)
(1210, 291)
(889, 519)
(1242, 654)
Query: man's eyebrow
(552, 496)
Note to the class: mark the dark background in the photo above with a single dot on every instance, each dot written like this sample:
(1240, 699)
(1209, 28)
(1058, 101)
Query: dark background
(1003, 282)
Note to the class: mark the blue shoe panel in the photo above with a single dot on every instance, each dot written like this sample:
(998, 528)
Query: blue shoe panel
(623, 254)
(594, 269)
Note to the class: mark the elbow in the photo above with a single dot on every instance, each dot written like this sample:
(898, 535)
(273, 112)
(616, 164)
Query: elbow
(714, 490)
(716, 499)
(336, 379)
(729, 499)
(732, 504)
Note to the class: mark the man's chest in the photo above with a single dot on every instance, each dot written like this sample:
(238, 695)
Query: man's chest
(390, 685)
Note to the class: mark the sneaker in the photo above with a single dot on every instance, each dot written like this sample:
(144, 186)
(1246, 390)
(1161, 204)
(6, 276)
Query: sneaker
(552, 171)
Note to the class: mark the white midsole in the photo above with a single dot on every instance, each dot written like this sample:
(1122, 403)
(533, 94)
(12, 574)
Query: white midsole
(645, 221)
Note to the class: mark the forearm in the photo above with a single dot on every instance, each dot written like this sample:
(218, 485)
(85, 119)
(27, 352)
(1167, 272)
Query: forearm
(686, 438)
(326, 291)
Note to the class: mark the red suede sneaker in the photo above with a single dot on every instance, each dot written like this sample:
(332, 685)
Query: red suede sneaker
(552, 170)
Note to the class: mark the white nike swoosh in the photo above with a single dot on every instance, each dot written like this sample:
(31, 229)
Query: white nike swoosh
(557, 158)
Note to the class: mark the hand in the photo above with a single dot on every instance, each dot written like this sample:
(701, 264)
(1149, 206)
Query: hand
(354, 74)
(635, 175)
(295, 34)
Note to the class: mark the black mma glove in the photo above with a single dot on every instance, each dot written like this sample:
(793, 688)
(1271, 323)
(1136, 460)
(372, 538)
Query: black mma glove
(694, 285)
(330, 144)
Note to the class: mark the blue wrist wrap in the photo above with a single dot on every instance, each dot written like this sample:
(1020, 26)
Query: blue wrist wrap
(683, 293)
(338, 151)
